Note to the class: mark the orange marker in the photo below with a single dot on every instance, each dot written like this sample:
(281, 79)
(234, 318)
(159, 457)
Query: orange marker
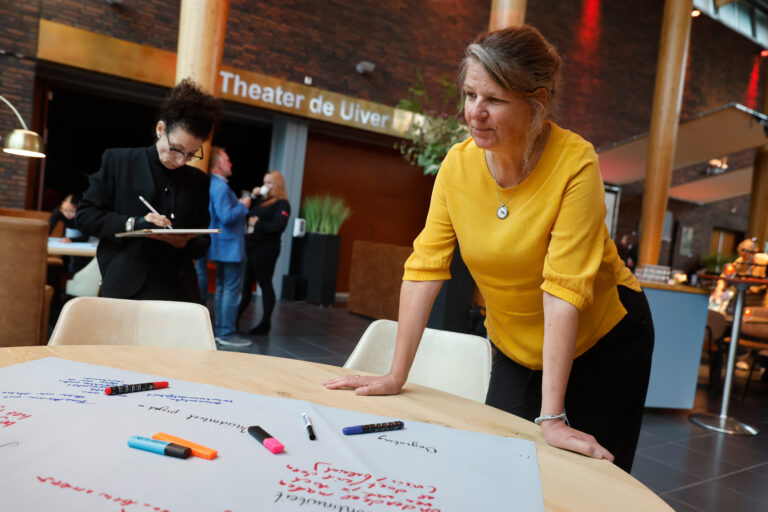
(197, 450)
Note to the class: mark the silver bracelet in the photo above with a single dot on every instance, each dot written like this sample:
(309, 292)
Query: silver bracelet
(552, 417)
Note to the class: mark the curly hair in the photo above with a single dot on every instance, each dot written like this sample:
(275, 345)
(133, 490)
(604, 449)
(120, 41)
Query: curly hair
(190, 108)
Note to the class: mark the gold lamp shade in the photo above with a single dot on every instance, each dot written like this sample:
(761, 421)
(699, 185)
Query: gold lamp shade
(24, 143)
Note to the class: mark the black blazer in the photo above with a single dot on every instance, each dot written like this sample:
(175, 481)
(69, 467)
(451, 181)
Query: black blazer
(113, 197)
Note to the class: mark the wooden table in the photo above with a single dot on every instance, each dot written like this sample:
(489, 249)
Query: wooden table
(71, 248)
(569, 481)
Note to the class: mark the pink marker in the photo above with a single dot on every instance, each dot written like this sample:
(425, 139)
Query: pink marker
(269, 442)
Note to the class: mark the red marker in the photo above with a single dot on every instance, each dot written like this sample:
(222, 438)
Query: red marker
(133, 388)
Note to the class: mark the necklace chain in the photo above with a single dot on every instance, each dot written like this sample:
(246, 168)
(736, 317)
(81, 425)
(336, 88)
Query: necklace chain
(496, 180)
(502, 211)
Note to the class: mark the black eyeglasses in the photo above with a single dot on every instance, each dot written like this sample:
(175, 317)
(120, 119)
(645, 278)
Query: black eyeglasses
(187, 156)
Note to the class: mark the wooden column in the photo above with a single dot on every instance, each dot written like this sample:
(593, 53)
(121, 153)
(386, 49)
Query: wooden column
(757, 225)
(667, 96)
(202, 27)
(507, 13)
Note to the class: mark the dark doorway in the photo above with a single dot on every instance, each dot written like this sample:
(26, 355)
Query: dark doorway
(82, 124)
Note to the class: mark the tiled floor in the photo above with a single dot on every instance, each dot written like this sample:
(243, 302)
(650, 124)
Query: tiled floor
(691, 468)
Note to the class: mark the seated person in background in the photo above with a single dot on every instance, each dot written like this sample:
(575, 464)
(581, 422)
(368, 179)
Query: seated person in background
(749, 261)
(65, 213)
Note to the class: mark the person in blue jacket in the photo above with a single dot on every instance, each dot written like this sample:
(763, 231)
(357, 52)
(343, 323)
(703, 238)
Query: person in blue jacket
(227, 249)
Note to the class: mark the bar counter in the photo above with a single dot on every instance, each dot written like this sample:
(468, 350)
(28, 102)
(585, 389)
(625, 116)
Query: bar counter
(679, 318)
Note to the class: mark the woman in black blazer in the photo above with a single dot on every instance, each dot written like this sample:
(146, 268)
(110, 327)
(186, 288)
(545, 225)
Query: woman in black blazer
(160, 266)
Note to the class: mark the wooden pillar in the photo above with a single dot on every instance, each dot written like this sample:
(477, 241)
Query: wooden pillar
(202, 27)
(667, 97)
(757, 225)
(507, 13)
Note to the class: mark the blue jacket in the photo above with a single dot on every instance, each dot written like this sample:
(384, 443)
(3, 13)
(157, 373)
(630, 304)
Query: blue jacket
(227, 214)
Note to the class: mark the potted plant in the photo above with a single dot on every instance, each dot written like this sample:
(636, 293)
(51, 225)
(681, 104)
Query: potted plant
(432, 132)
(324, 216)
(429, 137)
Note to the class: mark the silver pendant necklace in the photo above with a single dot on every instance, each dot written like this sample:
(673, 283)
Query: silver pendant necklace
(501, 212)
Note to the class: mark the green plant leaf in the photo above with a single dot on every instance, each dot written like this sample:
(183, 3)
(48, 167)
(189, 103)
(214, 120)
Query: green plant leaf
(324, 214)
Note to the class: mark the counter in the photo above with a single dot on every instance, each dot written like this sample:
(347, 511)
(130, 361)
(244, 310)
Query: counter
(679, 318)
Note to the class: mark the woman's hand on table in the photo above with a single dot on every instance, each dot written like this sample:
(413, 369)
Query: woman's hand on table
(560, 435)
(367, 384)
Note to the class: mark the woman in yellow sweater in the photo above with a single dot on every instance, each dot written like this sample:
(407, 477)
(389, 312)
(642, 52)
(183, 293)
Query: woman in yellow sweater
(525, 201)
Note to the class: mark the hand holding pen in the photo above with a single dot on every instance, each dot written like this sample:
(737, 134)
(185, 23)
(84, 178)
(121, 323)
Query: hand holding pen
(154, 216)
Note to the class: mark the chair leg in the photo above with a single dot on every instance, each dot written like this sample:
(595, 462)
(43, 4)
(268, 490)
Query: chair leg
(716, 365)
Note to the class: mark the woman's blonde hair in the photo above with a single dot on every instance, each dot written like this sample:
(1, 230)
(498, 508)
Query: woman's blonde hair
(520, 60)
(278, 188)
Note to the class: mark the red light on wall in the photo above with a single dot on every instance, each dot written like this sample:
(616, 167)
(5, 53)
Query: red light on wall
(752, 92)
(695, 13)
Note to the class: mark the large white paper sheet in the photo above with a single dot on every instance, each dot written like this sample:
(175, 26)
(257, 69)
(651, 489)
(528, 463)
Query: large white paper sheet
(63, 447)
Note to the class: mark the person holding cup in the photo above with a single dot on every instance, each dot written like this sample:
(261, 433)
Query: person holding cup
(266, 222)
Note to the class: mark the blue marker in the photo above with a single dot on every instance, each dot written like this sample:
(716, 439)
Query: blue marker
(161, 447)
(373, 427)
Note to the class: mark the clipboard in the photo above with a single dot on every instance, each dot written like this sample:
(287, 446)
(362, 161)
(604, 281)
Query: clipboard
(163, 231)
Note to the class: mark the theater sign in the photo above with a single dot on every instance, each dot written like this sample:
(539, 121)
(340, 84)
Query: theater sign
(83, 49)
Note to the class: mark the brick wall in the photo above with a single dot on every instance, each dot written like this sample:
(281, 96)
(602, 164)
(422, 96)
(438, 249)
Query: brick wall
(609, 52)
(18, 42)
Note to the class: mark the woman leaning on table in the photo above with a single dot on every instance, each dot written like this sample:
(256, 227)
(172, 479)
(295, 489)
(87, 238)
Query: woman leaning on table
(160, 266)
(524, 199)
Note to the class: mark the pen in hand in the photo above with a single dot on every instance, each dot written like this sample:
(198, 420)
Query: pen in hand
(152, 209)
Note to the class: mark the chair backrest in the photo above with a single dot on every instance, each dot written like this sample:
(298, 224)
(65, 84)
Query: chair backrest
(716, 325)
(86, 281)
(24, 256)
(105, 321)
(448, 361)
(58, 230)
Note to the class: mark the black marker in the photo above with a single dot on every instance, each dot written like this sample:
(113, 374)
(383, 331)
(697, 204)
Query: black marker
(373, 427)
(308, 426)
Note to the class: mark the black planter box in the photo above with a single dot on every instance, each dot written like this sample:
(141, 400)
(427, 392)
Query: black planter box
(319, 266)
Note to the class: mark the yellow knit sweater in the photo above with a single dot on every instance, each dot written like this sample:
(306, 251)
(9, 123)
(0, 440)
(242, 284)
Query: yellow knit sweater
(553, 240)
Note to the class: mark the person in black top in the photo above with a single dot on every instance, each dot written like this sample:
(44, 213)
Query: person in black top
(160, 266)
(65, 214)
(266, 221)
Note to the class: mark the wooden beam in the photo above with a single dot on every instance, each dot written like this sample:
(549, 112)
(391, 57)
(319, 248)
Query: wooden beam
(507, 13)
(667, 97)
(202, 28)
